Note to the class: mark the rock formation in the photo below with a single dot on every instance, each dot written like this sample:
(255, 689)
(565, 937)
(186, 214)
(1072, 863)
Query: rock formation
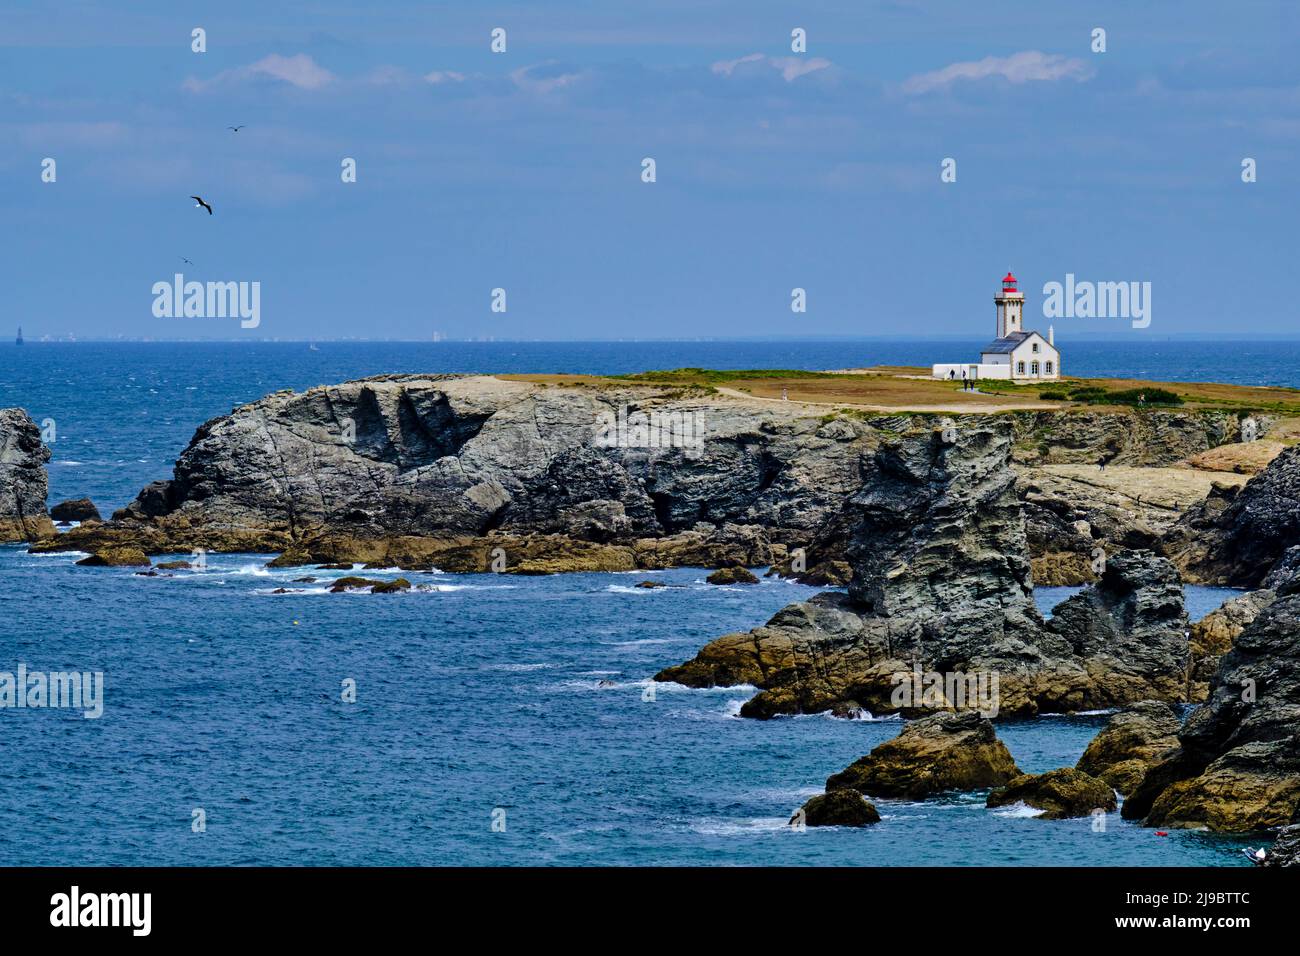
(23, 483)
(941, 587)
(79, 509)
(415, 470)
(1132, 740)
(1131, 628)
(1237, 766)
(1060, 794)
(1235, 537)
(937, 753)
(1285, 850)
(839, 808)
(1212, 636)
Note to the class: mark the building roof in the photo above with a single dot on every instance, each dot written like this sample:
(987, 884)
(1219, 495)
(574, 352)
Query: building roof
(1009, 343)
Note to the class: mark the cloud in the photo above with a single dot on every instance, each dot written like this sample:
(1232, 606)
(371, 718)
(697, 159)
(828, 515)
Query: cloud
(1024, 67)
(300, 71)
(790, 67)
(544, 78)
(444, 76)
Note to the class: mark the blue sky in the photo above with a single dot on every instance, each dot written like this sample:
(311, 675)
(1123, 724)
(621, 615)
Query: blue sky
(522, 170)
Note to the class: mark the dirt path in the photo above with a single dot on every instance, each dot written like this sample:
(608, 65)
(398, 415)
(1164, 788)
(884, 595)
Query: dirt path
(963, 408)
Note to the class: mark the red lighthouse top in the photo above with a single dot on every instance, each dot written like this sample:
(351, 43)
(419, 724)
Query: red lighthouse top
(1009, 281)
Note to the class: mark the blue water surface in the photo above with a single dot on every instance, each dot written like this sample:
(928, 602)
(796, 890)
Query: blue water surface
(478, 697)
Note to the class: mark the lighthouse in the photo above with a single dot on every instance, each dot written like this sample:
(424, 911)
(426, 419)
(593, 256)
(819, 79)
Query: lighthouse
(1011, 303)
(1014, 354)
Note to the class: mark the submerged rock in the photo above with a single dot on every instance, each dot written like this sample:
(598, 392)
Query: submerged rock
(931, 755)
(1060, 794)
(23, 482)
(173, 566)
(732, 576)
(1131, 741)
(354, 583)
(838, 808)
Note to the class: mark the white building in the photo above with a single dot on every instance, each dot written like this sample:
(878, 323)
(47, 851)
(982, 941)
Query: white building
(1015, 354)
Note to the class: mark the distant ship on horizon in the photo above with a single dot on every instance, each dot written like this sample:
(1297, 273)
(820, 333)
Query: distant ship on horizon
(19, 340)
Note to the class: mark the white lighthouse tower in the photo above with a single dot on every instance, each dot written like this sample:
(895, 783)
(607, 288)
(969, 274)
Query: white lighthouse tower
(1011, 303)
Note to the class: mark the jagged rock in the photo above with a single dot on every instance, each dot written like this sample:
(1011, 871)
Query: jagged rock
(450, 457)
(1285, 850)
(1212, 636)
(1125, 437)
(1060, 794)
(1235, 538)
(1074, 513)
(831, 572)
(1237, 767)
(839, 808)
(1131, 741)
(1131, 627)
(931, 755)
(941, 583)
(23, 482)
(116, 558)
(368, 468)
(78, 509)
(391, 587)
(732, 576)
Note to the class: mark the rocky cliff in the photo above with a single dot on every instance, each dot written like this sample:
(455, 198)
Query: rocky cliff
(1236, 536)
(23, 483)
(1237, 766)
(940, 590)
(592, 474)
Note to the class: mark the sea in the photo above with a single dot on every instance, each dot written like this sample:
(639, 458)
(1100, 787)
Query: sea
(477, 719)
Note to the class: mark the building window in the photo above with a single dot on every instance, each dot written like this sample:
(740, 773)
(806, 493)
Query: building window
(1034, 368)
(1049, 368)
(1020, 368)
(1035, 348)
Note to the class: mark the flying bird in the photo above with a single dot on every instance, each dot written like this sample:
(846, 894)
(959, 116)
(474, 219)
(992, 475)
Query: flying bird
(236, 129)
(186, 261)
(200, 202)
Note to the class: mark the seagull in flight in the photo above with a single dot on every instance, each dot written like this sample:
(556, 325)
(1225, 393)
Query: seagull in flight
(236, 129)
(186, 261)
(199, 202)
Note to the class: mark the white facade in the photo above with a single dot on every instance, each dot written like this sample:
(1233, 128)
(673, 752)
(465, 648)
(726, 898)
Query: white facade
(1015, 355)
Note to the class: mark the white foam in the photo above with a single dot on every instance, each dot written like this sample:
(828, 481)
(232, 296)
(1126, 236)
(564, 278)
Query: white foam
(1018, 809)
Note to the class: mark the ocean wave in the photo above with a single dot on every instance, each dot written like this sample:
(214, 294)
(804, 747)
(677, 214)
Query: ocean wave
(1019, 809)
